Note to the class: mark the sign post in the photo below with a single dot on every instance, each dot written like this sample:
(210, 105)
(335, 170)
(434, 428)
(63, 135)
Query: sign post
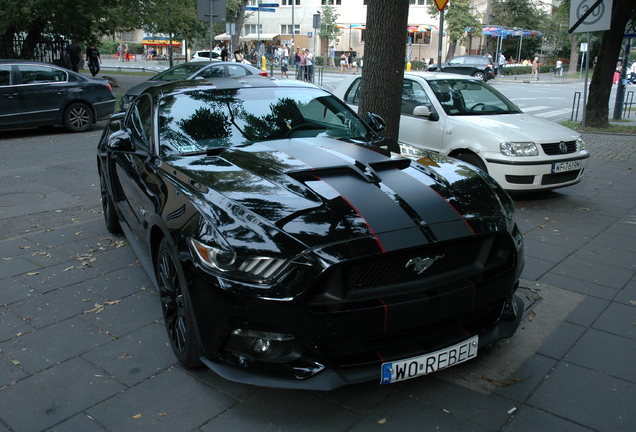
(588, 16)
(441, 4)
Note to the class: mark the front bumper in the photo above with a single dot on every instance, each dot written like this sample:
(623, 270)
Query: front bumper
(520, 175)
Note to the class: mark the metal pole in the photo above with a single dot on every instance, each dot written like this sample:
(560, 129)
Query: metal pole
(439, 45)
(520, 43)
(587, 70)
(211, 26)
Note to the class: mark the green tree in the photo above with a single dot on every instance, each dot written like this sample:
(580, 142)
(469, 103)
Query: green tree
(175, 19)
(522, 14)
(381, 87)
(458, 16)
(82, 20)
(328, 26)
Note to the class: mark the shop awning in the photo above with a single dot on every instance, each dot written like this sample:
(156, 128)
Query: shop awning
(222, 37)
(158, 41)
(262, 36)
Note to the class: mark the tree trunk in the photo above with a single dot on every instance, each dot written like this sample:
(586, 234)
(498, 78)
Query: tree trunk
(381, 87)
(597, 109)
(574, 52)
(240, 19)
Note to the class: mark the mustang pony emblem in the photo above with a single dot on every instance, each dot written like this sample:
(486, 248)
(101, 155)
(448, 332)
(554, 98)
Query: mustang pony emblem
(420, 265)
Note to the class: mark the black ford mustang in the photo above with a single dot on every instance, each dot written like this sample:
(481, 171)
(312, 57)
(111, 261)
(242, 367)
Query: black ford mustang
(291, 249)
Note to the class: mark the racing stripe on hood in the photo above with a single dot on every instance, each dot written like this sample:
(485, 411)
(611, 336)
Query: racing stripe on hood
(391, 225)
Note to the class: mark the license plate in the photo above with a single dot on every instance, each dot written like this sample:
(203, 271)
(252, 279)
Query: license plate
(559, 167)
(432, 362)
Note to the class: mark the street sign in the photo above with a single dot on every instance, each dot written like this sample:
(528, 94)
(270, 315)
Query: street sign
(218, 10)
(260, 9)
(599, 15)
(268, 5)
(630, 29)
(441, 4)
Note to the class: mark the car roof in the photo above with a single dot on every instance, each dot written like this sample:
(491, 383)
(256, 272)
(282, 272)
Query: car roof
(255, 81)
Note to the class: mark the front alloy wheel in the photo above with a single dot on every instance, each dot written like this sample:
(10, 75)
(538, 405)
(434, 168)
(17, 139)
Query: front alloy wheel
(177, 311)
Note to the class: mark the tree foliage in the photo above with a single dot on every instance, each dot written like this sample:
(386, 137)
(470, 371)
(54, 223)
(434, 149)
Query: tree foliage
(522, 14)
(328, 24)
(458, 16)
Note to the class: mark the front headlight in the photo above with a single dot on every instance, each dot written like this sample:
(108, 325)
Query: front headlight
(519, 149)
(580, 144)
(255, 268)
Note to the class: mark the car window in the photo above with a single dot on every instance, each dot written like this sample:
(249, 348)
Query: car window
(139, 121)
(179, 72)
(471, 97)
(6, 78)
(457, 61)
(212, 72)
(237, 71)
(196, 122)
(35, 74)
(352, 96)
(413, 95)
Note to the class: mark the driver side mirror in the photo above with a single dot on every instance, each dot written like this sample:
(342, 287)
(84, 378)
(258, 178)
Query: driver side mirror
(375, 122)
(424, 111)
(120, 141)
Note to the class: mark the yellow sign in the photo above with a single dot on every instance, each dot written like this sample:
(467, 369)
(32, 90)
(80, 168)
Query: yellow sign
(441, 4)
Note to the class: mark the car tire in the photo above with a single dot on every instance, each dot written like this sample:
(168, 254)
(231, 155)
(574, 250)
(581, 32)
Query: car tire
(108, 207)
(177, 310)
(78, 117)
(473, 159)
(480, 75)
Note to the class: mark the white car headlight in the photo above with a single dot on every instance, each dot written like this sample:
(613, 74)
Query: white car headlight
(580, 144)
(519, 149)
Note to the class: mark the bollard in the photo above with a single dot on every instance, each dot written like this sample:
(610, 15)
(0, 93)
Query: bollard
(263, 63)
(408, 66)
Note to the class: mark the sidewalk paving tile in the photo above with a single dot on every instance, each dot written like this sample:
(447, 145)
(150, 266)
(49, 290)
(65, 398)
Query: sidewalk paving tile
(594, 399)
(49, 397)
(169, 401)
(610, 352)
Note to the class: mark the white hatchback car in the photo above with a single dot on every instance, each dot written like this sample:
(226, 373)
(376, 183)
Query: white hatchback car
(465, 118)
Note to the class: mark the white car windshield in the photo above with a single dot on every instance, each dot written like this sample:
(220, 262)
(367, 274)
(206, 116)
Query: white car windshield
(471, 97)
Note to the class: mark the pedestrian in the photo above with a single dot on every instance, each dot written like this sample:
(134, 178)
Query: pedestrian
(127, 52)
(502, 63)
(309, 65)
(224, 53)
(558, 71)
(74, 53)
(332, 56)
(353, 58)
(94, 59)
(343, 63)
(535, 69)
(350, 58)
(284, 65)
(120, 52)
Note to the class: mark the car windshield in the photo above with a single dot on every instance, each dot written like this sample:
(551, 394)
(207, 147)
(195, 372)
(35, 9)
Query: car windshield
(180, 72)
(201, 121)
(471, 97)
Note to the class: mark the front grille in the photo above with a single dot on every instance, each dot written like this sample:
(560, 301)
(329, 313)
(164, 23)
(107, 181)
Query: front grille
(393, 269)
(553, 149)
(552, 179)
(476, 258)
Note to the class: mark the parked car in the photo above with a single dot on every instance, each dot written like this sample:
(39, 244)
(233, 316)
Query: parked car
(205, 56)
(470, 120)
(192, 70)
(478, 66)
(41, 94)
(290, 249)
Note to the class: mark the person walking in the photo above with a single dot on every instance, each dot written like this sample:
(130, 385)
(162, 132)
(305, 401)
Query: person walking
(94, 59)
(120, 52)
(535, 69)
(74, 52)
(284, 65)
(127, 52)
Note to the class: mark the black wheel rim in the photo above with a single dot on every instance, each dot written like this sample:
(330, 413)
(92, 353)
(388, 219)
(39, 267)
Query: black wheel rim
(172, 302)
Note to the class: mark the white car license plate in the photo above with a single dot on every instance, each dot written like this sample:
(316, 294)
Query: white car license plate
(432, 362)
(559, 167)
